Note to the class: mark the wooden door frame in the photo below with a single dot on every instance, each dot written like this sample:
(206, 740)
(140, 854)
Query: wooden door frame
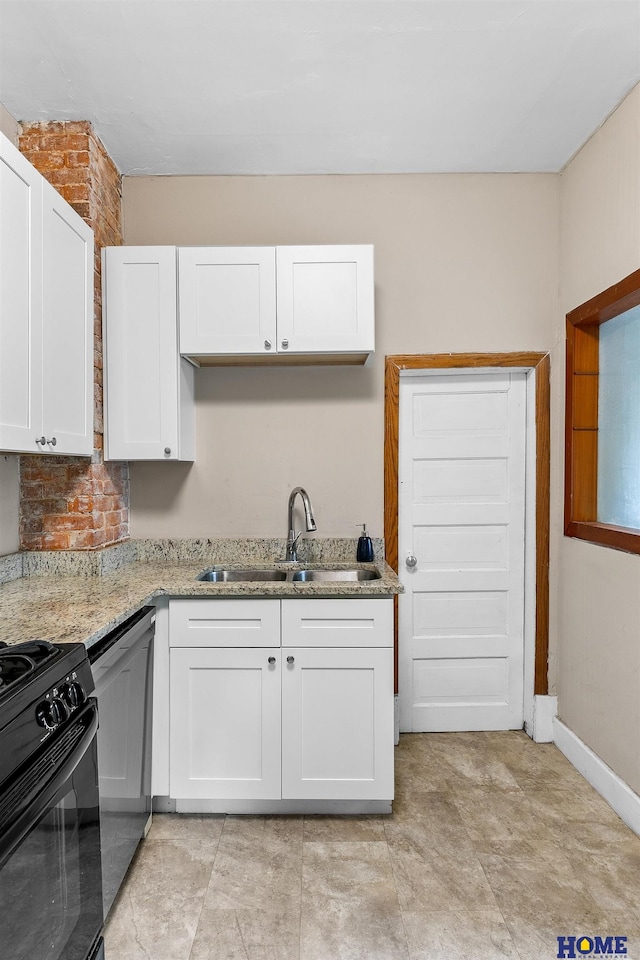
(539, 363)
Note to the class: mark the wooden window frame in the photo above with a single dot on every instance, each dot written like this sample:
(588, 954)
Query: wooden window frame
(581, 417)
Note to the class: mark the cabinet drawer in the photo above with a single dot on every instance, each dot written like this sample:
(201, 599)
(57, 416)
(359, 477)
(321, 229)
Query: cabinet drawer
(220, 622)
(338, 623)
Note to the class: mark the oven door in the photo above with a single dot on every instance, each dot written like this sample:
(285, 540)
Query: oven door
(50, 876)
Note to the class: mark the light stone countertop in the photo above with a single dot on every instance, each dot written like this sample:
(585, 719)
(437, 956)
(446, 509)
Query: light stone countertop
(80, 607)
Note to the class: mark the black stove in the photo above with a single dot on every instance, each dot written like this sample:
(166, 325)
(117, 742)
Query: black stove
(50, 872)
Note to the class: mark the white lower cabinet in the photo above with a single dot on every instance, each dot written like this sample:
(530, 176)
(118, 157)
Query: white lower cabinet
(337, 724)
(225, 723)
(255, 718)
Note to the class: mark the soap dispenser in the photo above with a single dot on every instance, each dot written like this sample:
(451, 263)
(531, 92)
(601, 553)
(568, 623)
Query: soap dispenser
(364, 553)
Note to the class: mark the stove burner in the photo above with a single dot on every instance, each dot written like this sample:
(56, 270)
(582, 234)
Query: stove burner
(14, 667)
(19, 661)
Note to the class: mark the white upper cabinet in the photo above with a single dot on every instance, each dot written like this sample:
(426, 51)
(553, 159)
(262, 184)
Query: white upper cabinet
(325, 300)
(46, 315)
(67, 326)
(149, 404)
(227, 300)
(306, 303)
(20, 301)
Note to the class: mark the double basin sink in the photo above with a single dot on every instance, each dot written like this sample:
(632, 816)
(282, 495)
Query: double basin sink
(291, 576)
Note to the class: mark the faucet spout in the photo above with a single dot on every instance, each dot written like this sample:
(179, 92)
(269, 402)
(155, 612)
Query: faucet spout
(310, 523)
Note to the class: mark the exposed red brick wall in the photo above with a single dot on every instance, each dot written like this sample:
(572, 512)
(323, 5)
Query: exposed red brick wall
(73, 503)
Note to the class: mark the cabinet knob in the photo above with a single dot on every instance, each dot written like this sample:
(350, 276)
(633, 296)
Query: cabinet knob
(290, 659)
(285, 344)
(167, 451)
(411, 561)
(41, 440)
(267, 344)
(53, 441)
(271, 660)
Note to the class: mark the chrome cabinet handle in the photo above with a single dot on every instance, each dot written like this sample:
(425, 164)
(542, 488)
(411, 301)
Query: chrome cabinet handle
(290, 659)
(271, 660)
(285, 344)
(53, 441)
(167, 451)
(41, 440)
(267, 344)
(411, 561)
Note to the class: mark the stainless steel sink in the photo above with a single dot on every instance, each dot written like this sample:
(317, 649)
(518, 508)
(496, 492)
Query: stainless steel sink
(307, 576)
(243, 576)
(279, 576)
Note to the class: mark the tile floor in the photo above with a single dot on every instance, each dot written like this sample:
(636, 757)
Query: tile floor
(496, 847)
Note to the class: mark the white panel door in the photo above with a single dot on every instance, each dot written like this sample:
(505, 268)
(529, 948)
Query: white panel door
(325, 299)
(337, 724)
(225, 724)
(68, 295)
(461, 551)
(227, 300)
(20, 301)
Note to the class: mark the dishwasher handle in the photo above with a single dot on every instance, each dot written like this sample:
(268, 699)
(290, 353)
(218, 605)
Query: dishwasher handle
(127, 626)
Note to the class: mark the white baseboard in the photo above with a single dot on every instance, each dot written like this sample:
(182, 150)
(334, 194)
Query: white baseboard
(540, 727)
(615, 791)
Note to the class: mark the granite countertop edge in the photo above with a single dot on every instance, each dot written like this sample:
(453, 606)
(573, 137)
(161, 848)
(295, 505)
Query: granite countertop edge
(69, 608)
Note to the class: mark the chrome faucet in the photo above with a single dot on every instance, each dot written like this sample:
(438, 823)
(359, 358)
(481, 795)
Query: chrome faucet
(292, 536)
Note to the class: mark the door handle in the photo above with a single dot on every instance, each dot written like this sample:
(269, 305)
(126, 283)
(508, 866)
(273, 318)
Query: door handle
(411, 561)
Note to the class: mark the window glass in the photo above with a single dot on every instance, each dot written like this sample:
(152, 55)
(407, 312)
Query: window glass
(619, 421)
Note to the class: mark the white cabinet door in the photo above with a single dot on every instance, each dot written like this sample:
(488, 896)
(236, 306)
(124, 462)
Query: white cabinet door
(325, 299)
(225, 724)
(68, 295)
(337, 724)
(227, 300)
(149, 407)
(46, 315)
(20, 301)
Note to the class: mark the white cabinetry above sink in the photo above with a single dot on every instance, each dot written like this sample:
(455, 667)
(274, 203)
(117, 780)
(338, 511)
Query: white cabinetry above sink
(167, 308)
(292, 304)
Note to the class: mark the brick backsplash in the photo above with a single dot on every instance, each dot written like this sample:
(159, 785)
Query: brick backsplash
(76, 503)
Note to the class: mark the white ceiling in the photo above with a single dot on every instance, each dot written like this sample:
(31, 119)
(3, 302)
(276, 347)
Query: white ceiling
(323, 86)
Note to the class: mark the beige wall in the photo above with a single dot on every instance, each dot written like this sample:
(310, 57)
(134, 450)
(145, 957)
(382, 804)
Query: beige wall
(599, 588)
(463, 263)
(9, 477)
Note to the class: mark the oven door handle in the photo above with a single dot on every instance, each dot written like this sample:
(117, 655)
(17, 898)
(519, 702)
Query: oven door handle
(18, 830)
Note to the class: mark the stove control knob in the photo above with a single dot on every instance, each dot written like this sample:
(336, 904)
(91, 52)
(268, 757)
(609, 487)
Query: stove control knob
(45, 717)
(73, 695)
(59, 709)
(51, 713)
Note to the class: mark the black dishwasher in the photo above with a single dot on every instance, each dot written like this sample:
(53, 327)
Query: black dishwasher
(122, 672)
